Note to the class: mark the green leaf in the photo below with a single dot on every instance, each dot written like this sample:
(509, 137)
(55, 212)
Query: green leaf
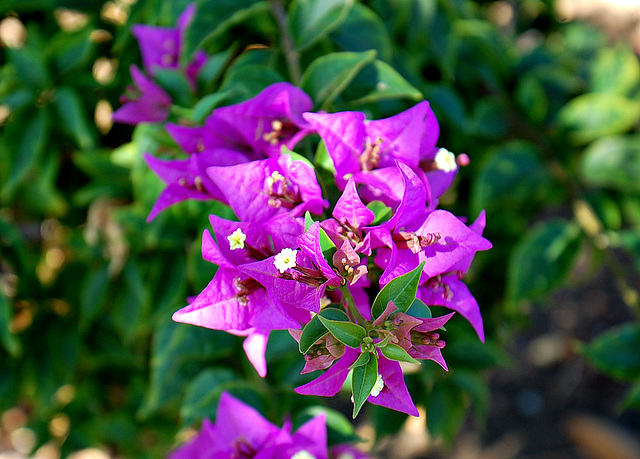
(615, 70)
(615, 352)
(203, 394)
(203, 108)
(632, 398)
(214, 67)
(419, 309)
(327, 246)
(512, 175)
(40, 193)
(216, 17)
(347, 333)
(362, 381)
(19, 98)
(308, 221)
(29, 136)
(542, 260)
(322, 158)
(30, 66)
(339, 428)
(395, 352)
(474, 385)
(248, 80)
(606, 208)
(446, 408)
(447, 103)
(468, 351)
(379, 81)
(175, 349)
(595, 115)
(532, 98)
(328, 75)
(489, 118)
(362, 359)
(98, 163)
(92, 297)
(8, 339)
(628, 240)
(383, 343)
(73, 117)
(613, 162)
(296, 156)
(315, 329)
(310, 20)
(362, 30)
(176, 84)
(401, 290)
(381, 212)
(73, 50)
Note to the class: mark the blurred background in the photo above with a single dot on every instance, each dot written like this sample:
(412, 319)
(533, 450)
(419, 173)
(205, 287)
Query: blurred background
(544, 97)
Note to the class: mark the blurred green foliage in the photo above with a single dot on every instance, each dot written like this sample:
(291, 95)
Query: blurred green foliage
(547, 111)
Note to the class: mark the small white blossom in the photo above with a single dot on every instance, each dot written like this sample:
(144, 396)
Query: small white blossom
(378, 386)
(236, 239)
(303, 455)
(285, 259)
(445, 160)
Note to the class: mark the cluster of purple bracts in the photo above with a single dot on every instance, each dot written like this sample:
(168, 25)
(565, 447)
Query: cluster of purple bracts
(273, 274)
(241, 432)
(161, 47)
(285, 260)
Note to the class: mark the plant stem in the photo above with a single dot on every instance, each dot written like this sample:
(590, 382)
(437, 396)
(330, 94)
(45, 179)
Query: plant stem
(351, 306)
(290, 54)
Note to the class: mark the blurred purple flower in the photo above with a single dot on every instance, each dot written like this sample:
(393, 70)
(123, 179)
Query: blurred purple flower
(242, 432)
(144, 101)
(161, 47)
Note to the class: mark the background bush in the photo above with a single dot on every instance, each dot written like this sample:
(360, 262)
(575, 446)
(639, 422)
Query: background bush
(547, 111)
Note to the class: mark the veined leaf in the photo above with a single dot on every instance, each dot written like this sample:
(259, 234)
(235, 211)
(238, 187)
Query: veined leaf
(395, 352)
(362, 381)
(311, 20)
(347, 333)
(401, 290)
(328, 75)
(419, 309)
(363, 359)
(315, 329)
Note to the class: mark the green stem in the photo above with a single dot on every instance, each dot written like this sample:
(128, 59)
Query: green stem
(351, 306)
(290, 54)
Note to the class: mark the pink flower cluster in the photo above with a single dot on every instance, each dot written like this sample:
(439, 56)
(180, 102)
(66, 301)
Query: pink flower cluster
(295, 261)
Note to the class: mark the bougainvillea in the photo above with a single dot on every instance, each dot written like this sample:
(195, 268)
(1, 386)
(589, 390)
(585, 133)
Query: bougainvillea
(352, 280)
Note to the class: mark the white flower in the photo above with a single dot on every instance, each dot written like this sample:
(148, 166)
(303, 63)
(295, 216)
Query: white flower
(378, 386)
(303, 455)
(445, 160)
(285, 259)
(236, 239)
